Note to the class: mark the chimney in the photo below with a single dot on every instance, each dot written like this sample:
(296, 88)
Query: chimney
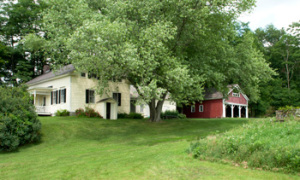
(46, 68)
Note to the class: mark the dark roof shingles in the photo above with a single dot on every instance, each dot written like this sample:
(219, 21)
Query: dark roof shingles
(64, 70)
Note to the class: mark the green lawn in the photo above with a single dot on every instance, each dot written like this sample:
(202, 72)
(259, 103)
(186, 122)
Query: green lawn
(83, 148)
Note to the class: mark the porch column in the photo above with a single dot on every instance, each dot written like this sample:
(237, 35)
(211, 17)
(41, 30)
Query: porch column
(246, 111)
(232, 107)
(240, 107)
(34, 97)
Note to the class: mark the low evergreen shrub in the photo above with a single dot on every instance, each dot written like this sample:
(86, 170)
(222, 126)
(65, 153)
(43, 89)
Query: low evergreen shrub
(172, 114)
(122, 115)
(62, 112)
(135, 116)
(18, 120)
(261, 144)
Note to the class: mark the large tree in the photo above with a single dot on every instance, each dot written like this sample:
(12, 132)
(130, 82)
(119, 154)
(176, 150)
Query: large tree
(17, 19)
(160, 47)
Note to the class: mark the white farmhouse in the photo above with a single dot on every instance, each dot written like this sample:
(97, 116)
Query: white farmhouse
(69, 89)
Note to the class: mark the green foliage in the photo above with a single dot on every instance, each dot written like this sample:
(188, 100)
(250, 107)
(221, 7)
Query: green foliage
(87, 112)
(135, 116)
(62, 112)
(172, 114)
(131, 115)
(122, 115)
(18, 121)
(160, 47)
(281, 49)
(79, 112)
(17, 19)
(262, 144)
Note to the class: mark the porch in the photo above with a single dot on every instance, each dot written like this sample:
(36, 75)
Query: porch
(41, 100)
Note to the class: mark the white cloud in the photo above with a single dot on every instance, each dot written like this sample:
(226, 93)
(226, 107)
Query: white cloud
(280, 13)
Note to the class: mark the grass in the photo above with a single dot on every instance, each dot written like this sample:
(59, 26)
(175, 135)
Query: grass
(89, 148)
(262, 144)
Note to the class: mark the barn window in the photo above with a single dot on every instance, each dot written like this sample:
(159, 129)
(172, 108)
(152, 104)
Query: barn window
(193, 108)
(236, 94)
(201, 108)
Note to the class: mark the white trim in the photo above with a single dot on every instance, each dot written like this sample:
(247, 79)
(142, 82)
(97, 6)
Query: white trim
(202, 108)
(193, 108)
(235, 104)
(237, 86)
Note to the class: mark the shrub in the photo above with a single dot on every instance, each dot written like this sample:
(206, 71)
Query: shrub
(18, 121)
(90, 112)
(172, 114)
(63, 112)
(87, 112)
(262, 144)
(135, 116)
(122, 115)
(79, 112)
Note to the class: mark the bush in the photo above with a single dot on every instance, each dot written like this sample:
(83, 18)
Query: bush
(262, 144)
(63, 112)
(88, 112)
(18, 121)
(172, 114)
(135, 116)
(79, 112)
(122, 115)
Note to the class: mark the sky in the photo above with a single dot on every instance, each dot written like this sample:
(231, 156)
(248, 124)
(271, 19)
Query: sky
(280, 13)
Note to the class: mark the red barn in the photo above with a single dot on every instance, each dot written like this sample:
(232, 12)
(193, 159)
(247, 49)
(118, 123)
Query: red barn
(215, 105)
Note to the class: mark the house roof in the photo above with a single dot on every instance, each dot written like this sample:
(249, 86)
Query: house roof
(64, 70)
(107, 100)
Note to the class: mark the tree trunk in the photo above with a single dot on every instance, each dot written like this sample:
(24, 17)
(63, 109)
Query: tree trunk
(156, 109)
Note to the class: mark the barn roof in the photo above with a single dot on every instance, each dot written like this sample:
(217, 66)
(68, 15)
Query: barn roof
(64, 70)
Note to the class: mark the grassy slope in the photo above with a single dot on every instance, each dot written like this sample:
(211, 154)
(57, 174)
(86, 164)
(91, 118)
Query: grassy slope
(123, 149)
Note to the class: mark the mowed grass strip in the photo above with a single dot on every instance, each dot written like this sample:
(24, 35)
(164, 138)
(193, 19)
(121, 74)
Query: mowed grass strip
(90, 148)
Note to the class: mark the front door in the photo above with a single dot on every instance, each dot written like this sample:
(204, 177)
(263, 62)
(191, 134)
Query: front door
(108, 105)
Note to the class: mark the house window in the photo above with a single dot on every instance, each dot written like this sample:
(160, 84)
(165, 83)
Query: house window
(82, 74)
(193, 108)
(89, 96)
(236, 94)
(54, 97)
(62, 93)
(142, 108)
(201, 108)
(117, 97)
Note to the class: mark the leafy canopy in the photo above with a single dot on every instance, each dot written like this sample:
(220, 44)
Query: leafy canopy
(158, 46)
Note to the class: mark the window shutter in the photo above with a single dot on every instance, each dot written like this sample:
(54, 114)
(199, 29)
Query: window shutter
(119, 99)
(56, 99)
(51, 97)
(65, 95)
(59, 94)
(86, 96)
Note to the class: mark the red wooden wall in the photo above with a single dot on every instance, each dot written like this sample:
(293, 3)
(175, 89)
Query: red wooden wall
(211, 109)
(237, 100)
